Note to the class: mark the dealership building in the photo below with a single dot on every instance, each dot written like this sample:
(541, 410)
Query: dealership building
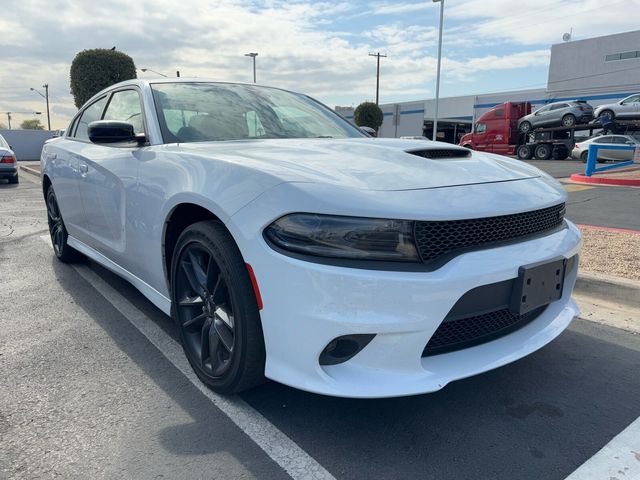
(599, 70)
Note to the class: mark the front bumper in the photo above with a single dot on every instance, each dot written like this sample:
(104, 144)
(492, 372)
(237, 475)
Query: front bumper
(306, 305)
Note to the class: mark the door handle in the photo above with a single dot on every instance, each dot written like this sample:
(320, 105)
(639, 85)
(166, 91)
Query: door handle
(84, 168)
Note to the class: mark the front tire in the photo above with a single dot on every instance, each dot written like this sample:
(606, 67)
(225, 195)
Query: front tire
(58, 231)
(215, 308)
(584, 156)
(525, 127)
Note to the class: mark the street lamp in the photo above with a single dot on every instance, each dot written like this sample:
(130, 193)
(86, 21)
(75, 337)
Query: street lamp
(253, 55)
(435, 116)
(46, 97)
(153, 71)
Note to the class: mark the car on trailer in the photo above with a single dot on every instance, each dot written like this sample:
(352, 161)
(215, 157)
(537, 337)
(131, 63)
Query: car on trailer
(557, 114)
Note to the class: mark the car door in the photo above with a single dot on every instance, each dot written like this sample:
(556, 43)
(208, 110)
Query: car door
(107, 179)
(556, 112)
(541, 116)
(62, 159)
(603, 153)
(623, 155)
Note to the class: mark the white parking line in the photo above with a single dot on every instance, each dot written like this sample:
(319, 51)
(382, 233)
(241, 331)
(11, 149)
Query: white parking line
(617, 460)
(284, 451)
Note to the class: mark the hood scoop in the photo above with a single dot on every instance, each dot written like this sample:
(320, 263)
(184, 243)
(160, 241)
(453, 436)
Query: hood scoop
(437, 153)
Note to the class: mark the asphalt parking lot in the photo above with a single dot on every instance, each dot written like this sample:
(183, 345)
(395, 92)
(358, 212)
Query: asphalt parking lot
(615, 207)
(92, 384)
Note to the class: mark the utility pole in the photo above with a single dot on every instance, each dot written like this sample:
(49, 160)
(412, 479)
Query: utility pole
(9, 119)
(377, 55)
(46, 93)
(178, 73)
(435, 116)
(253, 55)
(46, 97)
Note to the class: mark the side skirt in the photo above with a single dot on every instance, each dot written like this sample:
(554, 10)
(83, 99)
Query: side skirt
(155, 297)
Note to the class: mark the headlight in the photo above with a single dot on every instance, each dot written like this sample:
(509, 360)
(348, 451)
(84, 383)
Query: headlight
(351, 238)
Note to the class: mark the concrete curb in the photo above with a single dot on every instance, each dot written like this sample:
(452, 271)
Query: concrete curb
(608, 288)
(30, 170)
(602, 180)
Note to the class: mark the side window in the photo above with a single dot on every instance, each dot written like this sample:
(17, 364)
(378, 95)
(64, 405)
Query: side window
(125, 106)
(543, 109)
(559, 106)
(606, 139)
(92, 113)
(633, 99)
(481, 127)
(254, 125)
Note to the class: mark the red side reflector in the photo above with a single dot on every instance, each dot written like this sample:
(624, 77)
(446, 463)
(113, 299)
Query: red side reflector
(254, 284)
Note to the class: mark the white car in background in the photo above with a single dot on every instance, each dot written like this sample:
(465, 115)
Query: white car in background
(8, 162)
(286, 243)
(581, 149)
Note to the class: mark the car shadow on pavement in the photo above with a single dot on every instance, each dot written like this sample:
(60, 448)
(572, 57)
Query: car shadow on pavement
(211, 431)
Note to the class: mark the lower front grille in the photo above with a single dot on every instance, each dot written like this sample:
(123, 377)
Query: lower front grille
(465, 332)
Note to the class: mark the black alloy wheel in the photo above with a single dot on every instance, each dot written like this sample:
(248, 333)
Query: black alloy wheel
(58, 231)
(216, 311)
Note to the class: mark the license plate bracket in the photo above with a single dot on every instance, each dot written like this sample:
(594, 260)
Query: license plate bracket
(537, 284)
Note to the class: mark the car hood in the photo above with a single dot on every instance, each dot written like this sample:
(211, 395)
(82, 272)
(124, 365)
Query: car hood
(364, 163)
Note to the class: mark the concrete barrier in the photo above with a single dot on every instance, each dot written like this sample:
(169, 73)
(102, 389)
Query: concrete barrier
(27, 144)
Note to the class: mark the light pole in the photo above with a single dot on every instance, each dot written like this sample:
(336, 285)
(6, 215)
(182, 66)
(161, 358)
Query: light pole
(46, 97)
(153, 71)
(253, 55)
(378, 55)
(435, 116)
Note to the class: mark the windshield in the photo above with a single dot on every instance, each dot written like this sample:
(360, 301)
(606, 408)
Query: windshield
(198, 112)
(3, 142)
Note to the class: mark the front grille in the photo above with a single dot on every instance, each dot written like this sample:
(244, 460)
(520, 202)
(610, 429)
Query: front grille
(466, 332)
(440, 238)
(442, 153)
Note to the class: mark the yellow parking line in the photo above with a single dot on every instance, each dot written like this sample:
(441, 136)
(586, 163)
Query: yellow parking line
(577, 188)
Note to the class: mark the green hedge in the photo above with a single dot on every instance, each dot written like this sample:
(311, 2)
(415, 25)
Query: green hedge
(368, 114)
(93, 70)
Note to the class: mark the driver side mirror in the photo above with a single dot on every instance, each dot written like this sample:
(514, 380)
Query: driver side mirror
(104, 132)
(369, 131)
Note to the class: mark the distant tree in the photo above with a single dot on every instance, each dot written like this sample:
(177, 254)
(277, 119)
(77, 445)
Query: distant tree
(368, 114)
(93, 70)
(31, 124)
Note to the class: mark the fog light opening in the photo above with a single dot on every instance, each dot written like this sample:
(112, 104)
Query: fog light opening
(341, 349)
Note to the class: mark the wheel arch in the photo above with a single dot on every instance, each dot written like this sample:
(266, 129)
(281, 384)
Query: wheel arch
(180, 216)
(46, 183)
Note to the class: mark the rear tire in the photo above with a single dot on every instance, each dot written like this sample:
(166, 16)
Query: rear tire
(58, 232)
(568, 120)
(14, 180)
(543, 152)
(524, 152)
(215, 308)
(525, 127)
(584, 156)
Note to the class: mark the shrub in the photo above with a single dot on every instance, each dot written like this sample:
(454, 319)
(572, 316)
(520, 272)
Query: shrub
(368, 114)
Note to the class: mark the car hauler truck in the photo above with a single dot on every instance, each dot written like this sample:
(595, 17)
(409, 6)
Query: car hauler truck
(496, 131)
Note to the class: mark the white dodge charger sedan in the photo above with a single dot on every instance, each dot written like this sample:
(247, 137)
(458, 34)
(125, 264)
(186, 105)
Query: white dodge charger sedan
(288, 244)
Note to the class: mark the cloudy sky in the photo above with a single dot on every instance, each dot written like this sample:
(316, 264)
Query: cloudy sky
(319, 48)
